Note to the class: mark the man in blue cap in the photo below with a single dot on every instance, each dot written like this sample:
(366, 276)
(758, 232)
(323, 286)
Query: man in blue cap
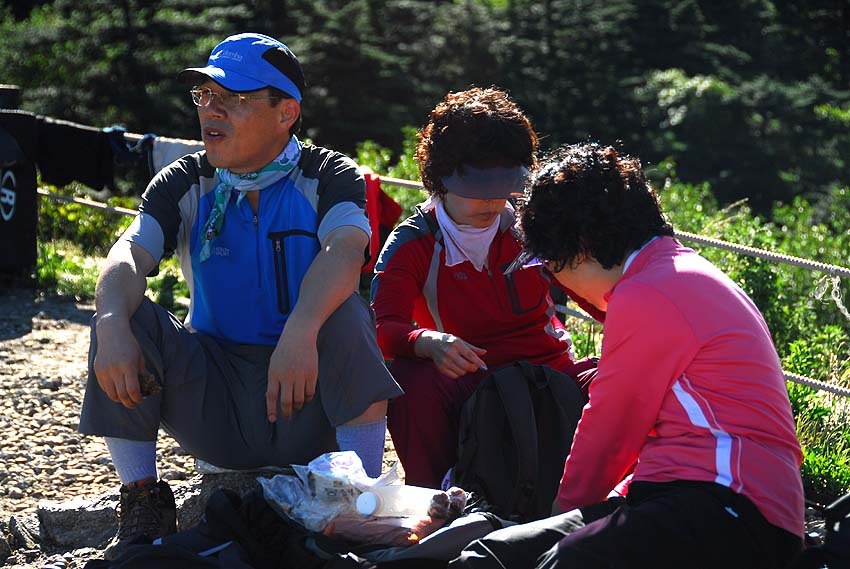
(277, 361)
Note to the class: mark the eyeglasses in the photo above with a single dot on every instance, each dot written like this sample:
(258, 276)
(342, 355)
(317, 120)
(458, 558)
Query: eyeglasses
(202, 97)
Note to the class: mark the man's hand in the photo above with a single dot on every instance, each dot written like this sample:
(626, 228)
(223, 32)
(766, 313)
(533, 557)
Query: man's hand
(330, 280)
(293, 373)
(452, 356)
(119, 291)
(118, 361)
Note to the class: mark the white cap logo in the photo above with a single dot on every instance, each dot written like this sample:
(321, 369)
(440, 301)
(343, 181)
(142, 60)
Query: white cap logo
(224, 54)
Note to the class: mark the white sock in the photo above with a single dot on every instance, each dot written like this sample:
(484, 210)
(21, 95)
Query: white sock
(133, 460)
(367, 440)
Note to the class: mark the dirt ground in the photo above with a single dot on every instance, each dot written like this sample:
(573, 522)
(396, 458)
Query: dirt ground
(43, 365)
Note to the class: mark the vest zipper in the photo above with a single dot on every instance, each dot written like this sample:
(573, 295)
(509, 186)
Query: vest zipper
(257, 250)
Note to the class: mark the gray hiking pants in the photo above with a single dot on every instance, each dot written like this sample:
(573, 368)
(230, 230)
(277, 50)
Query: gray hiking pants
(213, 394)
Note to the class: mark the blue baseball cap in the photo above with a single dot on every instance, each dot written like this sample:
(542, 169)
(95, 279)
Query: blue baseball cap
(247, 62)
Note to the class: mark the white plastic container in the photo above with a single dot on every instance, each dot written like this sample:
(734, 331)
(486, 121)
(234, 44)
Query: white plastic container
(396, 500)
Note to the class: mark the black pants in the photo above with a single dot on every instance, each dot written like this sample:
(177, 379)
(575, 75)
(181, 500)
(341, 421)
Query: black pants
(660, 525)
(519, 546)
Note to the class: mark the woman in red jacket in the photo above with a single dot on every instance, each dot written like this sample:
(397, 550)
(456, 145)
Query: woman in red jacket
(446, 312)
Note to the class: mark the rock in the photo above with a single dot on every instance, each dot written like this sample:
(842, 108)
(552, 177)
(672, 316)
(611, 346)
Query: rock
(25, 533)
(80, 522)
(49, 384)
(191, 497)
(5, 548)
(55, 562)
(30, 554)
(91, 523)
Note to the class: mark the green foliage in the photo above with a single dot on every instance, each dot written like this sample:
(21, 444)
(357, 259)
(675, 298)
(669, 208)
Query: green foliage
(751, 96)
(759, 138)
(587, 337)
(834, 114)
(821, 418)
(92, 230)
(168, 289)
(73, 240)
(826, 474)
(379, 159)
(822, 353)
(65, 268)
(101, 63)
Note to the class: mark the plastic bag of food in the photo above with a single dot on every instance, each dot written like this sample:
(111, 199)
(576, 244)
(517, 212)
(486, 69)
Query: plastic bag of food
(322, 490)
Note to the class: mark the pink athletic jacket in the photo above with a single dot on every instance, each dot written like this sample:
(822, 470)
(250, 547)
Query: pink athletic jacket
(689, 384)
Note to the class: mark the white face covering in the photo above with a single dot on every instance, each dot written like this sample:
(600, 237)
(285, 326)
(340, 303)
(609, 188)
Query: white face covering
(464, 242)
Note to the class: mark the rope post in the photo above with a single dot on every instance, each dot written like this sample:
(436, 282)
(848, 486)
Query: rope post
(18, 198)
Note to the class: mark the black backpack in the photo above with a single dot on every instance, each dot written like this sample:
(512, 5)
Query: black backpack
(515, 434)
(247, 533)
(834, 553)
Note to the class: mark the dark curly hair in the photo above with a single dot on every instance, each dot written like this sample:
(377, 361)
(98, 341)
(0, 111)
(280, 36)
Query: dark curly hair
(478, 127)
(589, 200)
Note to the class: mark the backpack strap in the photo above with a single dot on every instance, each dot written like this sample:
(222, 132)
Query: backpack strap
(519, 409)
(222, 516)
(432, 224)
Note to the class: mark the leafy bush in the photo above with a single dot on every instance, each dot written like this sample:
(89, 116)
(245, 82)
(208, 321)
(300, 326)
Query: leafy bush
(168, 289)
(587, 336)
(379, 158)
(64, 268)
(92, 230)
(826, 474)
(73, 240)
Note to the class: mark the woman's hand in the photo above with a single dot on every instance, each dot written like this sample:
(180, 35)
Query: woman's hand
(453, 356)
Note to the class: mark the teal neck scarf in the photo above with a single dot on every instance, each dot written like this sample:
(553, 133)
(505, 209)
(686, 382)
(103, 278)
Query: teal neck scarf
(229, 181)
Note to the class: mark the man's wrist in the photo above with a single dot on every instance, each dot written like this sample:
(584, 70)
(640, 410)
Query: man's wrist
(306, 326)
(111, 318)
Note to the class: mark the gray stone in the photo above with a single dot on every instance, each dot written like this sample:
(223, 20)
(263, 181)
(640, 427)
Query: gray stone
(25, 533)
(191, 496)
(91, 523)
(79, 522)
(5, 548)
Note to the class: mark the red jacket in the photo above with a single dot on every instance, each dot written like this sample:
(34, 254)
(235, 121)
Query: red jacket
(510, 316)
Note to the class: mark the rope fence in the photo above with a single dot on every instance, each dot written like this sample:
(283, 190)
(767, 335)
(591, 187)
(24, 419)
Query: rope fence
(88, 203)
(832, 272)
(762, 254)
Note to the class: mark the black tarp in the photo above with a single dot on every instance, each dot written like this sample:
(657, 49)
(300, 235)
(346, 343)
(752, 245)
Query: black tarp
(18, 197)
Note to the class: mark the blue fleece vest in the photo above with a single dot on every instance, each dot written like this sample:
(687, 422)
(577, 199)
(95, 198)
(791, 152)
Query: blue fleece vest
(256, 265)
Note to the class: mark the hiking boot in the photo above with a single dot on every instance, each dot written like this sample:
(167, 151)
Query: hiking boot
(144, 510)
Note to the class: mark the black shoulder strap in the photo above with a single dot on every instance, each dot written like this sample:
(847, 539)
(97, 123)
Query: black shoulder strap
(512, 384)
(565, 393)
(222, 516)
(432, 224)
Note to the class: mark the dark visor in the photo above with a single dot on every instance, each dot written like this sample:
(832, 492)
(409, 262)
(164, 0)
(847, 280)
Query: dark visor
(487, 183)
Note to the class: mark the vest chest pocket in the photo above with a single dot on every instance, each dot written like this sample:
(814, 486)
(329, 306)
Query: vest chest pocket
(526, 289)
(293, 251)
